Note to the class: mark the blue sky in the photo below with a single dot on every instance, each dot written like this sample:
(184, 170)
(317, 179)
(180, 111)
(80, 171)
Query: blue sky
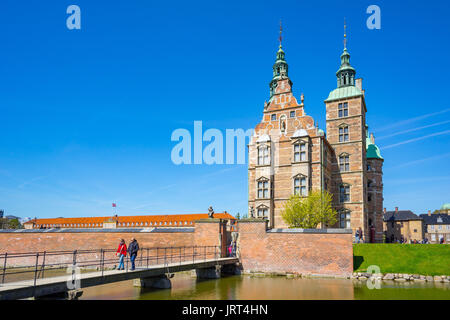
(87, 115)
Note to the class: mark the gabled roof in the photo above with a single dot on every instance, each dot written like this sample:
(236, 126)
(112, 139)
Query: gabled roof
(401, 215)
(437, 218)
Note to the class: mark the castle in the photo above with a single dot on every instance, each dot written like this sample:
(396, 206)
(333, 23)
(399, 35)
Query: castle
(289, 154)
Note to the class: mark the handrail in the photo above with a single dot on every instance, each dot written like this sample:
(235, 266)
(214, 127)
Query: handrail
(45, 260)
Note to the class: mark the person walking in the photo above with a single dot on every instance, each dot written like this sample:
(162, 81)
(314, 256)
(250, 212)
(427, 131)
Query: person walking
(357, 236)
(361, 238)
(133, 249)
(121, 253)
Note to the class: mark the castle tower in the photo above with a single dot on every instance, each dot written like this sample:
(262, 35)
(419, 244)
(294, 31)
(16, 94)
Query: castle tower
(346, 123)
(286, 153)
(374, 189)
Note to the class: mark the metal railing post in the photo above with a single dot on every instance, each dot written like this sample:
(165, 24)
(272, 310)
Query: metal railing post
(147, 257)
(43, 265)
(165, 256)
(4, 267)
(102, 260)
(180, 255)
(36, 268)
(157, 255)
(204, 254)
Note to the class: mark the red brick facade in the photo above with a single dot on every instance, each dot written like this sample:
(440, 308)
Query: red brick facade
(261, 250)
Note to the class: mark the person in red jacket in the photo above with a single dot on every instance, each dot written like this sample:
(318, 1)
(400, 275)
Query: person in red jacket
(121, 253)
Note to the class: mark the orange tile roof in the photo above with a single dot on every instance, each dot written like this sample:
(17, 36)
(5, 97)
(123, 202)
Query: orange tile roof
(176, 220)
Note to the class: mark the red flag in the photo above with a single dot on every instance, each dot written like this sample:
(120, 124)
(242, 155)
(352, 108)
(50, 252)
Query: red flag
(114, 205)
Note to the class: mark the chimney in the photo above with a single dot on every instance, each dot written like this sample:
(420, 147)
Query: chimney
(396, 209)
(429, 212)
(358, 83)
(384, 210)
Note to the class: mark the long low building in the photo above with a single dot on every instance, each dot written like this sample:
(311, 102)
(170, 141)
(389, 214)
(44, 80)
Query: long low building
(175, 220)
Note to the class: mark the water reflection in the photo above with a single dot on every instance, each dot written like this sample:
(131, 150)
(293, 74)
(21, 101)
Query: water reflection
(277, 288)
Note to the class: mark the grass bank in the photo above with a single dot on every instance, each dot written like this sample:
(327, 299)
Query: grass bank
(429, 259)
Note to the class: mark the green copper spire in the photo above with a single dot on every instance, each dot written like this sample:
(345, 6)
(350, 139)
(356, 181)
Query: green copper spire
(280, 67)
(372, 150)
(346, 73)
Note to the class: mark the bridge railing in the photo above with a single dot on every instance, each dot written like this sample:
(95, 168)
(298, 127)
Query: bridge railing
(44, 264)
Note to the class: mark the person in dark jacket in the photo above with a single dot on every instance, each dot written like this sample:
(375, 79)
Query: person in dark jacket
(133, 249)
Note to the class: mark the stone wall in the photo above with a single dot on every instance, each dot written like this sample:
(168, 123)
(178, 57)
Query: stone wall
(306, 252)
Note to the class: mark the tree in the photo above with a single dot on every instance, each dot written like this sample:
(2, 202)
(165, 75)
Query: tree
(238, 216)
(14, 224)
(308, 212)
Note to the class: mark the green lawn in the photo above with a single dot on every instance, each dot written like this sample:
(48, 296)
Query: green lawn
(428, 259)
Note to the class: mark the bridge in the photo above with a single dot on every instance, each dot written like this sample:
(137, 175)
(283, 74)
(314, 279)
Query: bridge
(62, 274)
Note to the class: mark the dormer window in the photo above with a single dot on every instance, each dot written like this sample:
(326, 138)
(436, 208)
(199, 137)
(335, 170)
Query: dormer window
(274, 117)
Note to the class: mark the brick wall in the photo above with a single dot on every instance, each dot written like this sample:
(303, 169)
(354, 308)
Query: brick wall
(205, 233)
(298, 252)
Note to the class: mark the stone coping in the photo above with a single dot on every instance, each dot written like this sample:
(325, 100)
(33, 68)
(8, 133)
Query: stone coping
(252, 220)
(320, 231)
(101, 230)
(209, 220)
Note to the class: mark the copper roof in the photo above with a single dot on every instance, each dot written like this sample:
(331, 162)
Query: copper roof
(175, 220)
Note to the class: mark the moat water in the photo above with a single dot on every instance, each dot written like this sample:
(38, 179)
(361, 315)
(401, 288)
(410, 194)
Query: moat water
(276, 288)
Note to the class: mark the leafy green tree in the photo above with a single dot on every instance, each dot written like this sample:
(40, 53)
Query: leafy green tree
(238, 216)
(14, 224)
(308, 212)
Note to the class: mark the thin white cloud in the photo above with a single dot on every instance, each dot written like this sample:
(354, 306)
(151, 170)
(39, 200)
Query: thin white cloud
(414, 129)
(415, 139)
(407, 121)
(410, 163)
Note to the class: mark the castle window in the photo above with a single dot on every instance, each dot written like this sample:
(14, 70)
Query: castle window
(343, 134)
(299, 152)
(344, 219)
(369, 168)
(432, 227)
(263, 155)
(292, 114)
(263, 212)
(274, 117)
(344, 193)
(263, 189)
(344, 162)
(343, 109)
(300, 186)
(369, 183)
(369, 197)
